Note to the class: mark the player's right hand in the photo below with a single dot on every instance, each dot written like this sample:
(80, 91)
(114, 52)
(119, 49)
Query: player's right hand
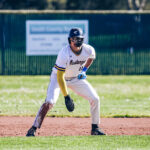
(82, 75)
(69, 103)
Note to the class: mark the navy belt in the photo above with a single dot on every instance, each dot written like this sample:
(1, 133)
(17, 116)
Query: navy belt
(70, 78)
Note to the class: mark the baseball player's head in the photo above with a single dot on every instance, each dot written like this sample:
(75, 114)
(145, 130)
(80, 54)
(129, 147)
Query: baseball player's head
(76, 37)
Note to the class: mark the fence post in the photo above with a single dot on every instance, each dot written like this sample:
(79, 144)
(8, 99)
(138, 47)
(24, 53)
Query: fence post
(3, 44)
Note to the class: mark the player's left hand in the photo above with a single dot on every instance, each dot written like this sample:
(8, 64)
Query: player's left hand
(69, 103)
(82, 75)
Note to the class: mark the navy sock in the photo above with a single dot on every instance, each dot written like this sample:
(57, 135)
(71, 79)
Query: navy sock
(34, 128)
(94, 126)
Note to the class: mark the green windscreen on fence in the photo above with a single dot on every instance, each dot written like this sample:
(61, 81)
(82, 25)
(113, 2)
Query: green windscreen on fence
(121, 41)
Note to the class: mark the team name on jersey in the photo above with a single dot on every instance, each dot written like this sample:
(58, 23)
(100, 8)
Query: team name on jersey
(76, 62)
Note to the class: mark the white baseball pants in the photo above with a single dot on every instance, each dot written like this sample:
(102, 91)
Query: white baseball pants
(81, 87)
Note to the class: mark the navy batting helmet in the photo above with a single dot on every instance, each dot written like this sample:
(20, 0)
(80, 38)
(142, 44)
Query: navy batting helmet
(76, 32)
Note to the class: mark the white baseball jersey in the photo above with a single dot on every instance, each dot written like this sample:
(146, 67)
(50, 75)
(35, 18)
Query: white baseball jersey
(71, 63)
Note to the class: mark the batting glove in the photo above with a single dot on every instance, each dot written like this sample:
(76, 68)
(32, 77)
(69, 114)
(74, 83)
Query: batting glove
(82, 75)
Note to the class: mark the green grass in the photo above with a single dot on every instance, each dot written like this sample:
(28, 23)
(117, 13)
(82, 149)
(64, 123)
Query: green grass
(121, 96)
(76, 143)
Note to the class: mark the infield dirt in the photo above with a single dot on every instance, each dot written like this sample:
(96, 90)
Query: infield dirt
(53, 126)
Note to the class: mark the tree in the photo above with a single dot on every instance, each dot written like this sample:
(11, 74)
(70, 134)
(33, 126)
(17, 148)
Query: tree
(76, 4)
(23, 4)
(136, 4)
(91, 4)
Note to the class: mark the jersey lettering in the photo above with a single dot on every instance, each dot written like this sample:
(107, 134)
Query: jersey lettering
(76, 62)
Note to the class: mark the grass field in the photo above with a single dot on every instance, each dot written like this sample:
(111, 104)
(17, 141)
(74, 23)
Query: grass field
(77, 143)
(121, 96)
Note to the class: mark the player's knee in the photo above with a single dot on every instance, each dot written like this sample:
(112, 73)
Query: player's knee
(96, 100)
(49, 104)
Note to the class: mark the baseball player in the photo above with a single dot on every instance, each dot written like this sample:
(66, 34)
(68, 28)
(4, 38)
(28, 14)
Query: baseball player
(69, 71)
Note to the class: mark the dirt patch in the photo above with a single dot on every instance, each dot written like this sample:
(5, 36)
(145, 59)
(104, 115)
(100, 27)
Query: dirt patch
(18, 126)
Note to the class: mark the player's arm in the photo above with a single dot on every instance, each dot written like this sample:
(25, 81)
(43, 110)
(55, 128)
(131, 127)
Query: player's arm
(60, 66)
(89, 62)
(62, 84)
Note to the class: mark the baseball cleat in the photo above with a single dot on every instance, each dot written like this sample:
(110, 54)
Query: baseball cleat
(31, 132)
(97, 131)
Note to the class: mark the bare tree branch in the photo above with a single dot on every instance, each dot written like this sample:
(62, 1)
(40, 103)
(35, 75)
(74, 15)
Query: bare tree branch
(136, 4)
(130, 6)
(142, 4)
